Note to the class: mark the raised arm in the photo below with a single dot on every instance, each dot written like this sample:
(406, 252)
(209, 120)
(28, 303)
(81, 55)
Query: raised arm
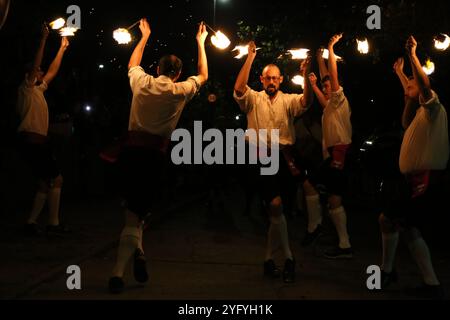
(136, 57)
(398, 68)
(56, 64)
(242, 80)
(308, 96)
(39, 55)
(419, 74)
(332, 63)
(319, 94)
(321, 62)
(202, 34)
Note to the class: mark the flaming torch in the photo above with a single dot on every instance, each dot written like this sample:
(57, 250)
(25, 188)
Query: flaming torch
(243, 51)
(429, 67)
(442, 42)
(67, 31)
(326, 55)
(299, 54)
(57, 24)
(122, 35)
(363, 46)
(299, 80)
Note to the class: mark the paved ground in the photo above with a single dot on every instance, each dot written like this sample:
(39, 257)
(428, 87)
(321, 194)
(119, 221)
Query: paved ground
(206, 248)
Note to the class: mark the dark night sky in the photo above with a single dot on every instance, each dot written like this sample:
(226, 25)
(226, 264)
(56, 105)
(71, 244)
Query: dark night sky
(173, 30)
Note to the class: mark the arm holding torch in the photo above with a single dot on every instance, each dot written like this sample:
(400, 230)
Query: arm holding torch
(241, 83)
(319, 94)
(332, 63)
(308, 97)
(56, 64)
(322, 66)
(202, 34)
(136, 57)
(419, 74)
(39, 55)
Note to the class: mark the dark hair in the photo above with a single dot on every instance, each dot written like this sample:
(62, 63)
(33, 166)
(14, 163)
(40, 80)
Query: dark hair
(325, 79)
(170, 66)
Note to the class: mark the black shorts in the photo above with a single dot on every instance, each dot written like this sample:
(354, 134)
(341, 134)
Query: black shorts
(270, 187)
(40, 157)
(403, 210)
(142, 179)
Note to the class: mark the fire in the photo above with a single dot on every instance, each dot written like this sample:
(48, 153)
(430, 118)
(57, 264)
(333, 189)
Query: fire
(220, 41)
(442, 45)
(326, 55)
(299, 81)
(67, 32)
(429, 67)
(122, 36)
(57, 24)
(363, 46)
(299, 54)
(243, 51)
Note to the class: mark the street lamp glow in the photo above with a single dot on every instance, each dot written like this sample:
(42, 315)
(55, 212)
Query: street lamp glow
(88, 108)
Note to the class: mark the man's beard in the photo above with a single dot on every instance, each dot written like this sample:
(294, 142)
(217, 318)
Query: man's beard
(271, 93)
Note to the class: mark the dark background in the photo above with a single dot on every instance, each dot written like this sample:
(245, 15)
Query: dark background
(371, 86)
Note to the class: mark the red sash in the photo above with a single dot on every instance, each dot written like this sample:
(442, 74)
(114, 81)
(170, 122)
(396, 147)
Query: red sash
(421, 181)
(338, 156)
(138, 139)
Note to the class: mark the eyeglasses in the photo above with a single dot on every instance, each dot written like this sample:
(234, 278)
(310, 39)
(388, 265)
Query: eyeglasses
(267, 78)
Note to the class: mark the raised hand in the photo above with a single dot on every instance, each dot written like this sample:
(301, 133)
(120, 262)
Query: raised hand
(411, 46)
(64, 43)
(144, 26)
(45, 31)
(312, 79)
(398, 65)
(335, 39)
(252, 49)
(202, 34)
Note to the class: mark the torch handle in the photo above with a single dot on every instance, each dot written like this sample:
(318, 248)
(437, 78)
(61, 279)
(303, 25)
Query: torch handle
(133, 25)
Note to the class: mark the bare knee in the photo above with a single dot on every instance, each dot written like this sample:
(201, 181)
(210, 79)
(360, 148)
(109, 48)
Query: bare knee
(276, 207)
(411, 234)
(132, 219)
(386, 224)
(334, 202)
(58, 182)
(309, 189)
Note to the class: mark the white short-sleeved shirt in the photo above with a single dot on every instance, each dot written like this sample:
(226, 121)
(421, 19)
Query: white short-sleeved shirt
(158, 102)
(425, 144)
(32, 107)
(279, 114)
(336, 124)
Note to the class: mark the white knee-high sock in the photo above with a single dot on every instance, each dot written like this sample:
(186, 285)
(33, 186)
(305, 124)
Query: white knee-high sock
(339, 218)
(284, 238)
(390, 244)
(129, 242)
(54, 199)
(314, 212)
(38, 205)
(421, 254)
(273, 237)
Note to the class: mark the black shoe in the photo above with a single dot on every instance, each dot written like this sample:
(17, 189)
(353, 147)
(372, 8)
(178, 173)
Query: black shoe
(310, 238)
(388, 278)
(140, 267)
(271, 270)
(289, 271)
(32, 230)
(116, 285)
(57, 231)
(426, 291)
(339, 253)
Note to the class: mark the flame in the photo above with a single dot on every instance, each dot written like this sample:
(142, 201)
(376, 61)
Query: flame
(220, 41)
(299, 54)
(67, 32)
(442, 45)
(299, 81)
(57, 24)
(326, 55)
(122, 36)
(243, 51)
(363, 46)
(429, 67)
